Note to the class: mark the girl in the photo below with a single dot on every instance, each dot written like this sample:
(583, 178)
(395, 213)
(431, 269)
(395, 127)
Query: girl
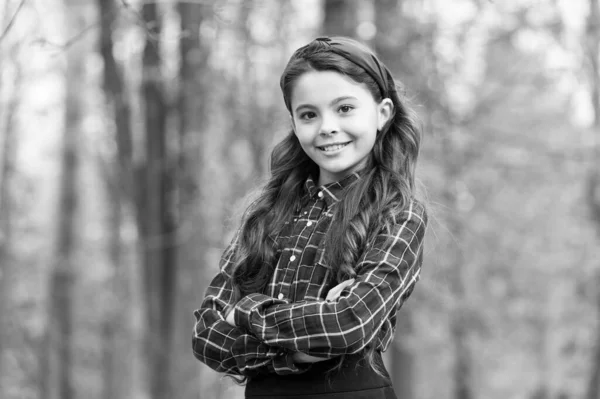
(308, 291)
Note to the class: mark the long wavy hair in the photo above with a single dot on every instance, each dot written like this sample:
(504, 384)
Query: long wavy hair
(387, 184)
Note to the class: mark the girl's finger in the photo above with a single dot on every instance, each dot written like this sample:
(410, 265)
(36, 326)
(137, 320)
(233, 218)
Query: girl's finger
(336, 291)
(229, 318)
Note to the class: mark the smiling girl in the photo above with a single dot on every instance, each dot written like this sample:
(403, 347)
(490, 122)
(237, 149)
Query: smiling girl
(308, 292)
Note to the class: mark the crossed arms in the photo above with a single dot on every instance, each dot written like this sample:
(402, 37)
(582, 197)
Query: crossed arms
(264, 334)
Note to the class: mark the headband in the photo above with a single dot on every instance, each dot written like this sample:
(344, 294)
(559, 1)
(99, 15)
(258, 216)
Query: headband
(348, 49)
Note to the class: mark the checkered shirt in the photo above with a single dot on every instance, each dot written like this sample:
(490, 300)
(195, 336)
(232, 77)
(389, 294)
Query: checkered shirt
(292, 314)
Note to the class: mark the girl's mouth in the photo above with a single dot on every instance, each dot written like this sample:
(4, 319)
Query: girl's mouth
(333, 147)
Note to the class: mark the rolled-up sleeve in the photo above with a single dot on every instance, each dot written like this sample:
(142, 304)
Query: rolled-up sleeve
(229, 349)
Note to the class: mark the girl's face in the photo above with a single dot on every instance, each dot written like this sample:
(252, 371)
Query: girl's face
(336, 121)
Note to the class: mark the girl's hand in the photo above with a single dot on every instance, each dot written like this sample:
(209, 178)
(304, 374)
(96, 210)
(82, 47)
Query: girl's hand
(336, 291)
(229, 318)
(300, 357)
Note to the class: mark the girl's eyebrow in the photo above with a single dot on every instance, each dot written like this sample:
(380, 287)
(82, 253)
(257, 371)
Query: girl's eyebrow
(342, 98)
(334, 101)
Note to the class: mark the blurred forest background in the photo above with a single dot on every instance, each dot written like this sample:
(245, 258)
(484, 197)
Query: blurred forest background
(131, 131)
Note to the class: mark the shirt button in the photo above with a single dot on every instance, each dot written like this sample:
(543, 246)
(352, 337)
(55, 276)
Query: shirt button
(292, 258)
(280, 296)
(320, 194)
(309, 224)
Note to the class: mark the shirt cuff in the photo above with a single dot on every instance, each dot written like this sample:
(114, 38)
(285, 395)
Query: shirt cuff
(251, 355)
(254, 357)
(251, 304)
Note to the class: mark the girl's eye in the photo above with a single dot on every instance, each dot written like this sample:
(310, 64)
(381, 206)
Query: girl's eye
(307, 115)
(346, 108)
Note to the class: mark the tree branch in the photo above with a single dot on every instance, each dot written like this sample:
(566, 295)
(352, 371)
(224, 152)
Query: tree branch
(69, 42)
(125, 5)
(147, 26)
(12, 20)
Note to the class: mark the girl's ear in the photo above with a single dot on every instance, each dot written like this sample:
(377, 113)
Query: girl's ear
(385, 110)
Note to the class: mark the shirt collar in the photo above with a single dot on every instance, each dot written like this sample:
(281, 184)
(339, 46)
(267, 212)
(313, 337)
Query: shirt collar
(331, 192)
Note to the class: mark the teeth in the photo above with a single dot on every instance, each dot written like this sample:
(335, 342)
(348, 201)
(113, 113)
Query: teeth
(334, 147)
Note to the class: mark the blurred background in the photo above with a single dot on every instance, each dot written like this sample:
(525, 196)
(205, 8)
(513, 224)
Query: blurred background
(131, 131)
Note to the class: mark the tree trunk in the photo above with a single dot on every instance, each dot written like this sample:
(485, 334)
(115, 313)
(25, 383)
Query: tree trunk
(7, 264)
(57, 361)
(593, 191)
(157, 216)
(459, 329)
(462, 371)
(245, 125)
(388, 40)
(116, 362)
(192, 234)
(116, 98)
(113, 331)
(340, 18)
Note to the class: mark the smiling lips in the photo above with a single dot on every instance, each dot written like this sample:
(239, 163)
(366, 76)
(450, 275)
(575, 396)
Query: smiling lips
(333, 147)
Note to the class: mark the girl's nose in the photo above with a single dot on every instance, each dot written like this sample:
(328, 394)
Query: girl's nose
(329, 125)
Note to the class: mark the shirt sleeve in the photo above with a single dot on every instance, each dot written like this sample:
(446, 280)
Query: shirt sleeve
(386, 274)
(229, 349)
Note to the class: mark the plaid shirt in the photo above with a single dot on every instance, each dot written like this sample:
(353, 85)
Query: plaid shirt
(292, 314)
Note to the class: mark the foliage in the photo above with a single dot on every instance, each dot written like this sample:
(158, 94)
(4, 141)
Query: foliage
(503, 90)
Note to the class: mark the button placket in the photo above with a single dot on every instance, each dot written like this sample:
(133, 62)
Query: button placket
(305, 221)
(289, 268)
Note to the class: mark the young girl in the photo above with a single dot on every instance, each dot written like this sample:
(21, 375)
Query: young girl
(308, 290)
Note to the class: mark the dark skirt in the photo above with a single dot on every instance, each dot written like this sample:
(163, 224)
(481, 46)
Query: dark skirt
(355, 380)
